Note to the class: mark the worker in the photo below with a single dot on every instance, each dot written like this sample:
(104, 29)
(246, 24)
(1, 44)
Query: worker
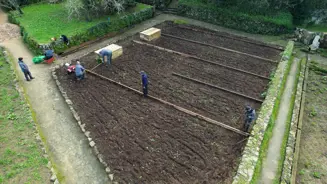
(145, 82)
(48, 54)
(106, 56)
(25, 70)
(64, 39)
(249, 117)
(79, 71)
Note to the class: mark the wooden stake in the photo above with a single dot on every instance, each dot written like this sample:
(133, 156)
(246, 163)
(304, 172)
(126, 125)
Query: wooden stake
(217, 87)
(276, 47)
(199, 116)
(221, 48)
(200, 59)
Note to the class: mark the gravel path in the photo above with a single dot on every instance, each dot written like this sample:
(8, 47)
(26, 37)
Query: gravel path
(7, 31)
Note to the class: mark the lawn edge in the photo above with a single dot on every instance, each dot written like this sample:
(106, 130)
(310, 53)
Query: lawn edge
(249, 169)
(37, 132)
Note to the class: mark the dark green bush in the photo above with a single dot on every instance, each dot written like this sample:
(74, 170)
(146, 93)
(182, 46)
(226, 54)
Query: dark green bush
(272, 25)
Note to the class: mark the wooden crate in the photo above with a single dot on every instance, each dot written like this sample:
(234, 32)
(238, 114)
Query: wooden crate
(150, 34)
(115, 49)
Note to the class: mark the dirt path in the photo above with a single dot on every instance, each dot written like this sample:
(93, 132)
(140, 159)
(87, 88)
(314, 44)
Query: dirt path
(67, 145)
(270, 164)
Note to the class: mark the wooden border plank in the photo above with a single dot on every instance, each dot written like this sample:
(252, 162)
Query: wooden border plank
(299, 128)
(217, 87)
(199, 116)
(221, 48)
(200, 59)
(276, 47)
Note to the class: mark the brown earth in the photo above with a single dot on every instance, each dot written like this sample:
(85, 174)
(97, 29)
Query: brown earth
(144, 141)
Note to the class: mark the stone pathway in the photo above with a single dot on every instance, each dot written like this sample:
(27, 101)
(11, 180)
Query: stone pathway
(270, 164)
(68, 147)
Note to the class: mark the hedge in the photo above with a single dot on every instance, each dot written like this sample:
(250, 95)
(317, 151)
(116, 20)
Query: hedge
(281, 23)
(92, 33)
(159, 4)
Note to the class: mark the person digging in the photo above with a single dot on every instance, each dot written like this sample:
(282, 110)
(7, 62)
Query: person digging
(106, 56)
(79, 71)
(249, 117)
(145, 82)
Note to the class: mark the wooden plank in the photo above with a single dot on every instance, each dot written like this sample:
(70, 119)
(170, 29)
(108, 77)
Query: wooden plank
(235, 38)
(221, 48)
(200, 59)
(199, 116)
(96, 66)
(299, 127)
(217, 87)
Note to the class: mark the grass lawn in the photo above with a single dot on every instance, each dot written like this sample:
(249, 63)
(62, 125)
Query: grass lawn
(44, 21)
(21, 159)
(317, 28)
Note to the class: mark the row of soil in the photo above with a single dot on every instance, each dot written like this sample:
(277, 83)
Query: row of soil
(220, 33)
(231, 59)
(199, 98)
(209, 38)
(144, 141)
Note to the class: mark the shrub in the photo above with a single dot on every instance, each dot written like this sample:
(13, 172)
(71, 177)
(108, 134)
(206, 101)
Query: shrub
(273, 25)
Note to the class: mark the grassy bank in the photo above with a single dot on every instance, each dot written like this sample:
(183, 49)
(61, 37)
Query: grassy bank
(21, 158)
(44, 21)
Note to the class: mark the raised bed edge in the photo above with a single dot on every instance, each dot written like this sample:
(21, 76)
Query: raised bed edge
(250, 157)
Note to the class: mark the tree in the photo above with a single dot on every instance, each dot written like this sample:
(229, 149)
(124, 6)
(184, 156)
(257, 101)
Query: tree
(89, 9)
(11, 4)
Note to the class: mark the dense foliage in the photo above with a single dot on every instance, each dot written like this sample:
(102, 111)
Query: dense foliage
(278, 23)
(300, 9)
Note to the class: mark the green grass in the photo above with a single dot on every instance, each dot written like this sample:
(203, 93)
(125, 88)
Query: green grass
(317, 28)
(281, 18)
(44, 21)
(21, 159)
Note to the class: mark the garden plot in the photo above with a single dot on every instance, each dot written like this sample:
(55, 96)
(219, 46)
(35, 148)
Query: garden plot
(146, 141)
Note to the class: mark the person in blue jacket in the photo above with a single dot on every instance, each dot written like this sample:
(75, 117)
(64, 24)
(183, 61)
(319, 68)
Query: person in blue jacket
(145, 82)
(106, 56)
(79, 71)
(249, 117)
(25, 70)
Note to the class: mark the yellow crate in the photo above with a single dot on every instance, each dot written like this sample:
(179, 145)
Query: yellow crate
(115, 49)
(150, 34)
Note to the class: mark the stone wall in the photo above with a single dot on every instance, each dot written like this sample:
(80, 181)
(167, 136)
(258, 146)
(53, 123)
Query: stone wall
(290, 147)
(82, 125)
(251, 151)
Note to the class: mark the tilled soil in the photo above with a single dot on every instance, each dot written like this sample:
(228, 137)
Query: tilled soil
(147, 142)
(208, 37)
(199, 98)
(235, 60)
